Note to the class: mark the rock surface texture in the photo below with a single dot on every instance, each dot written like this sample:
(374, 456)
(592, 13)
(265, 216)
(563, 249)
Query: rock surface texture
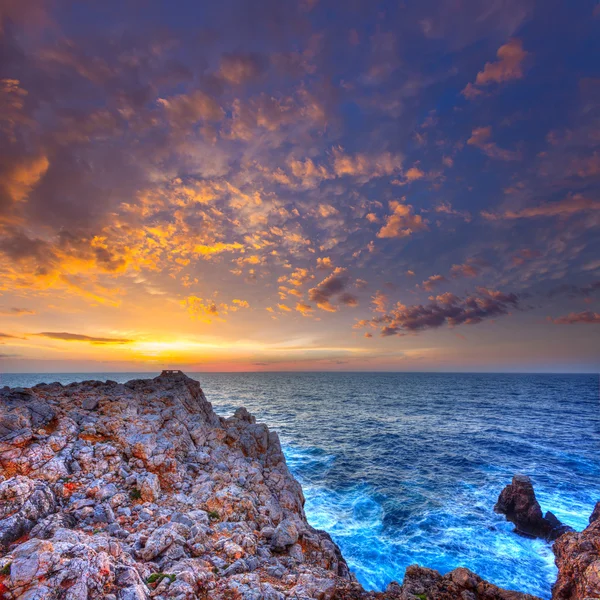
(518, 502)
(139, 490)
(578, 561)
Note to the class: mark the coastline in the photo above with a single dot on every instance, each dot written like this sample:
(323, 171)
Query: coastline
(312, 564)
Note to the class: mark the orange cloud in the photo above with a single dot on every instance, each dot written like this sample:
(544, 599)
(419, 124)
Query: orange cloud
(324, 263)
(379, 301)
(24, 176)
(239, 68)
(508, 67)
(432, 281)
(187, 109)
(564, 208)
(366, 166)
(587, 316)
(481, 138)
(304, 309)
(464, 270)
(402, 222)
(206, 310)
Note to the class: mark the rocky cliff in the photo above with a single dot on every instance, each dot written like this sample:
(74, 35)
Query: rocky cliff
(137, 491)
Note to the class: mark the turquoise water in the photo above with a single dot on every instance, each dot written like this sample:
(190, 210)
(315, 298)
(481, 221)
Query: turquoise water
(405, 468)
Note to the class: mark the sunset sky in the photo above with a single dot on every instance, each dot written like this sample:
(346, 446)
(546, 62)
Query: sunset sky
(300, 185)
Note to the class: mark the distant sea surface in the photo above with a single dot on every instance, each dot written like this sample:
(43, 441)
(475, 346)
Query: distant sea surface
(406, 468)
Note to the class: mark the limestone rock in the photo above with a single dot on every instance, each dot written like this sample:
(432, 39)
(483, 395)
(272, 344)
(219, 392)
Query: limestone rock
(285, 534)
(126, 492)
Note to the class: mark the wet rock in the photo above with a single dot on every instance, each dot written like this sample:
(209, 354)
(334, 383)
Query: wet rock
(461, 583)
(518, 503)
(577, 556)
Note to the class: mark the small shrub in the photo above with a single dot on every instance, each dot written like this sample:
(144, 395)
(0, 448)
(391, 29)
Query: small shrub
(155, 579)
(421, 596)
(213, 515)
(215, 570)
(5, 570)
(135, 494)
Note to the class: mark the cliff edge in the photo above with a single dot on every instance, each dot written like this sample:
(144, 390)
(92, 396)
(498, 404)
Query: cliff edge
(139, 490)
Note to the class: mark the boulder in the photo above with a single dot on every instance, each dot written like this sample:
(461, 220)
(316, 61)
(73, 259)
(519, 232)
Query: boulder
(577, 556)
(460, 584)
(518, 503)
(285, 534)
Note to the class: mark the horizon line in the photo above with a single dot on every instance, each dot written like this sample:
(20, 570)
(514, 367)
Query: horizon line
(382, 372)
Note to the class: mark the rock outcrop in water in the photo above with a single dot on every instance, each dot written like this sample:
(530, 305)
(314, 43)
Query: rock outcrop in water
(137, 491)
(578, 561)
(460, 584)
(577, 555)
(518, 502)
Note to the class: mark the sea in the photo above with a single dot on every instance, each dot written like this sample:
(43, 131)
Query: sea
(404, 468)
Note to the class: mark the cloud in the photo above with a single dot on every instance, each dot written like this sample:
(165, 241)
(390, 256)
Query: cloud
(379, 302)
(207, 310)
(305, 309)
(16, 312)
(508, 67)
(217, 248)
(432, 282)
(481, 138)
(587, 316)
(446, 208)
(412, 174)
(308, 173)
(297, 278)
(564, 208)
(19, 177)
(402, 222)
(7, 335)
(240, 68)
(575, 290)
(446, 309)
(348, 299)
(77, 337)
(324, 263)
(187, 109)
(366, 166)
(467, 269)
(333, 285)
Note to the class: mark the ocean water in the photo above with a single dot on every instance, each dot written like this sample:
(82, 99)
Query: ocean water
(405, 468)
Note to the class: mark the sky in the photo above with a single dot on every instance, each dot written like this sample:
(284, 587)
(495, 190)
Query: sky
(300, 185)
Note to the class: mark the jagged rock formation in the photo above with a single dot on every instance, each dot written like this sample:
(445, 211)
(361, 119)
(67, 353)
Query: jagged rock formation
(104, 485)
(139, 490)
(518, 502)
(578, 561)
(460, 584)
